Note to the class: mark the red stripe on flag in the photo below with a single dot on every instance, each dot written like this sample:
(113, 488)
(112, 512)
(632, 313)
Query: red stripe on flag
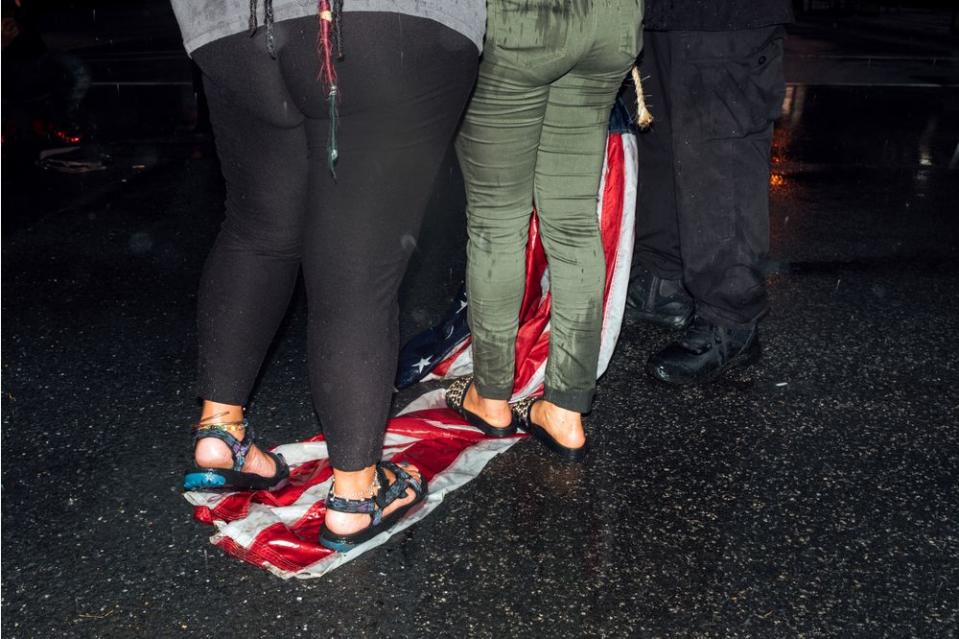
(418, 425)
(441, 369)
(614, 193)
(236, 505)
(295, 547)
(278, 545)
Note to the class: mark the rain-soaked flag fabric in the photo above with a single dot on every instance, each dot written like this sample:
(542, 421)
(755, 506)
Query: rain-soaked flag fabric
(423, 352)
(278, 531)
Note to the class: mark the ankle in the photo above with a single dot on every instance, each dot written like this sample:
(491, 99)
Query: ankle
(211, 452)
(359, 484)
(549, 412)
(217, 413)
(491, 405)
(565, 426)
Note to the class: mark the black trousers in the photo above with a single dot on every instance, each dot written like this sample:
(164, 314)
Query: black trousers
(703, 202)
(403, 84)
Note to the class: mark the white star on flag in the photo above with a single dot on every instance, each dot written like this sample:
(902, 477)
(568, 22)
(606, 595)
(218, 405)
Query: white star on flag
(423, 363)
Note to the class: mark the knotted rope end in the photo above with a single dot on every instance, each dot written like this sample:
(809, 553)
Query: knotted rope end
(643, 116)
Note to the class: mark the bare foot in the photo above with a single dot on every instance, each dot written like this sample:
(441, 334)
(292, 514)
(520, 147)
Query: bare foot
(565, 426)
(349, 523)
(495, 412)
(214, 453)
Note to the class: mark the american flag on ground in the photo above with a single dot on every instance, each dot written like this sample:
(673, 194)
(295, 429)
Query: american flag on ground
(278, 530)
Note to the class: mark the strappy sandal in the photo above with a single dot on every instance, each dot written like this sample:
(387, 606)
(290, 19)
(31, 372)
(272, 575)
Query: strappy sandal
(456, 395)
(522, 410)
(386, 494)
(199, 478)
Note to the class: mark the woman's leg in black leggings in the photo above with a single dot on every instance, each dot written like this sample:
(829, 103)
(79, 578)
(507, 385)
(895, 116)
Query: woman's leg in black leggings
(252, 268)
(404, 84)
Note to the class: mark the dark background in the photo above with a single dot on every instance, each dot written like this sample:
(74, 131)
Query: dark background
(813, 496)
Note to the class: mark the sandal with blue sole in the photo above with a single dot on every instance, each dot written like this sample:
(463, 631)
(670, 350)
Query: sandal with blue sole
(523, 409)
(386, 493)
(456, 395)
(200, 478)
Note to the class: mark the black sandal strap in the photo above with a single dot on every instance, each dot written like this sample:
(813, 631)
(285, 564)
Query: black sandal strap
(402, 474)
(366, 506)
(385, 495)
(389, 493)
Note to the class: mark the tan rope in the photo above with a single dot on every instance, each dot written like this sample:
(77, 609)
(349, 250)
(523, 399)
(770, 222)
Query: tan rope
(643, 117)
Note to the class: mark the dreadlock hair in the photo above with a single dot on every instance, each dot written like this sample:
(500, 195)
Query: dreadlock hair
(268, 20)
(329, 38)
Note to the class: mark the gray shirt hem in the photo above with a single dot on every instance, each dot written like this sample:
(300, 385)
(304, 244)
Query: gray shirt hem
(199, 28)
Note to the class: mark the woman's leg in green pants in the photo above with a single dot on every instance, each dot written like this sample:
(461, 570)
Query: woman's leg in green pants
(498, 158)
(568, 170)
(497, 147)
(540, 129)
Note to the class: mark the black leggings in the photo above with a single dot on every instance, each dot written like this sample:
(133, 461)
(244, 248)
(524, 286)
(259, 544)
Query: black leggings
(403, 85)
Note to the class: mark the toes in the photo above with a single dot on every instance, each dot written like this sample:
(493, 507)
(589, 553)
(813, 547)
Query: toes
(415, 474)
(411, 469)
(260, 463)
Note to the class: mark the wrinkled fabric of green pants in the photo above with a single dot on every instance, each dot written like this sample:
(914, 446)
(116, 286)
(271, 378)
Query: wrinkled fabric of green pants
(535, 132)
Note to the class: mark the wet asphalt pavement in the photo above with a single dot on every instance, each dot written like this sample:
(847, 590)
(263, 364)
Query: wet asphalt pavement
(814, 495)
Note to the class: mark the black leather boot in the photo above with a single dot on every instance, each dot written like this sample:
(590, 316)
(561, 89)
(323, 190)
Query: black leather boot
(652, 299)
(704, 352)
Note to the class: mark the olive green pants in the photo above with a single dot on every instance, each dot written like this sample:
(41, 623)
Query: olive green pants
(535, 131)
